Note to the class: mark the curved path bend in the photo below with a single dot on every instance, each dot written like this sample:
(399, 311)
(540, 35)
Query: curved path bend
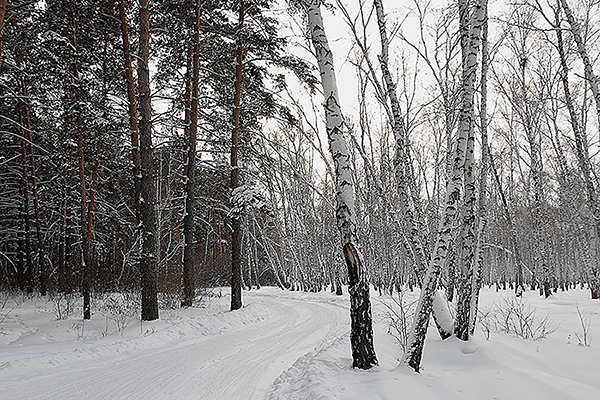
(237, 364)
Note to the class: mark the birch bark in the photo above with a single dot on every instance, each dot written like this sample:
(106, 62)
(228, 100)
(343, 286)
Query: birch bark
(415, 244)
(482, 206)
(452, 199)
(361, 337)
(581, 147)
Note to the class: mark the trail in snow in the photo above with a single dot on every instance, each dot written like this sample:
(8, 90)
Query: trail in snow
(240, 363)
(292, 346)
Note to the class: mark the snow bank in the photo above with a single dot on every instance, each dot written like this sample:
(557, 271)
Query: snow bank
(504, 367)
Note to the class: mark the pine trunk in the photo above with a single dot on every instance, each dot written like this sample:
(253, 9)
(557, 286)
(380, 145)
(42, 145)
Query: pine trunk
(25, 269)
(85, 245)
(147, 195)
(26, 133)
(236, 223)
(190, 171)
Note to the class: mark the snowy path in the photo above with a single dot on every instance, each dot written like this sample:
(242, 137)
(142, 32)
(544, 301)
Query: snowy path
(240, 363)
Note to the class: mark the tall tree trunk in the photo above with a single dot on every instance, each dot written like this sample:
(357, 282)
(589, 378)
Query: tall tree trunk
(236, 221)
(26, 133)
(513, 231)
(361, 337)
(190, 171)
(466, 240)
(147, 195)
(582, 151)
(536, 169)
(482, 206)
(132, 109)
(85, 240)
(26, 266)
(416, 342)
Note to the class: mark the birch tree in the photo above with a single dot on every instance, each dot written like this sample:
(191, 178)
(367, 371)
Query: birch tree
(471, 42)
(581, 146)
(361, 336)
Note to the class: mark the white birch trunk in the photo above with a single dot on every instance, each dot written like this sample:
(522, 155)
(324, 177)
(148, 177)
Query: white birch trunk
(478, 261)
(417, 248)
(581, 145)
(451, 203)
(361, 338)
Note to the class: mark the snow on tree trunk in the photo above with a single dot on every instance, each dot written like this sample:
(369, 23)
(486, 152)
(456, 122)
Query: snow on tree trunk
(363, 352)
(414, 349)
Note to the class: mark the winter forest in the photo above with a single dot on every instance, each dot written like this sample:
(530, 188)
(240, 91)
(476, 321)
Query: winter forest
(299, 199)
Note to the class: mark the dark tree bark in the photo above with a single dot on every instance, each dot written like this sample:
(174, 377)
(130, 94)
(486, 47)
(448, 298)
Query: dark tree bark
(236, 222)
(26, 133)
(25, 269)
(190, 171)
(85, 244)
(147, 195)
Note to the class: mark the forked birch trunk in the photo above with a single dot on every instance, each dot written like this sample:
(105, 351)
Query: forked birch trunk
(361, 336)
(401, 161)
(466, 240)
(414, 349)
(482, 206)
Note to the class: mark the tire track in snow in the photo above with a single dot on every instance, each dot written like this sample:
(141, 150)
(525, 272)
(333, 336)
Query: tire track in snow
(240, 364)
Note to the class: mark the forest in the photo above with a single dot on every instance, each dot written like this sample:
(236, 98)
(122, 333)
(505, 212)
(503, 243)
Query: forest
(164, 148)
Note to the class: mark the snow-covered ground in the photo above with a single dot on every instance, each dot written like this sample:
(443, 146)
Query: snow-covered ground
(287, 345)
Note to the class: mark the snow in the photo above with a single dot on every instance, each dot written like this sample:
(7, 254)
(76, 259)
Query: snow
(288, 345)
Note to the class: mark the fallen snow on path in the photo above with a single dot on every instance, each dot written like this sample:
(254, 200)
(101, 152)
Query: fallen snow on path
(195, 353)
(288, 345)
